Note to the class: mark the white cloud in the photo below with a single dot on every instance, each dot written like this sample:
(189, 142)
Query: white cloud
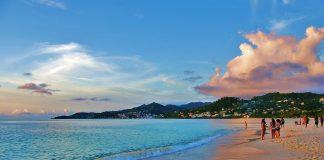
(51, 3)
(277, 25)
(70, 62)
(60, 48)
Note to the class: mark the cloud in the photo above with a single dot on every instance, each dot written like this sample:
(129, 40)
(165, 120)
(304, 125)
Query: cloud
(71, 61)
(27, 74)
(91, 99)
(192, 78)
(40, 88)
(105, 99)
(188, 72)
(79, 71)
(79, 99)
(60, 48)
(16, 111)
(271, 63)
(158, 79)
(21, 112)
(277, 25)
(51, 3)
(71, 56)
(287, 1)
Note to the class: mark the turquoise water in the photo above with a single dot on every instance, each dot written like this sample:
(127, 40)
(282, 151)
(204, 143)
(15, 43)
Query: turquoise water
(104, 139)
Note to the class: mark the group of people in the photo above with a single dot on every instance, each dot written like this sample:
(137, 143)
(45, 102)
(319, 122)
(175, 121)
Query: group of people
(305, 121)
(275, 126)
(316, 120)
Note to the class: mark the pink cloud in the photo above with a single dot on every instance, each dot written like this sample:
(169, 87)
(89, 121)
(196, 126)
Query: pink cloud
(40, 88)
(271, 63)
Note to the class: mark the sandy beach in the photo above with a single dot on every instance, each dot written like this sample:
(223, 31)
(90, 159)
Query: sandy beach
(297, 142)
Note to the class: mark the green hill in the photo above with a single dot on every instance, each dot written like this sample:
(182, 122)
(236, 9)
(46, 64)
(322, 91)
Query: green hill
(152, 110)
(268, 105)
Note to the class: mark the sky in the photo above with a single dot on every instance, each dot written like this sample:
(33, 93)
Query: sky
(66, 56)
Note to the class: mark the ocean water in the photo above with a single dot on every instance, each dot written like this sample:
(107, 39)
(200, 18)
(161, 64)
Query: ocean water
(107, 139)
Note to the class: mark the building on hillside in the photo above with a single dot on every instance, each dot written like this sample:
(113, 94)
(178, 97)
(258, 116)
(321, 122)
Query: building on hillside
(322, 100)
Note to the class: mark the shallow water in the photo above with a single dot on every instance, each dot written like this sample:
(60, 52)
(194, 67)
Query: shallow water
(105, 139)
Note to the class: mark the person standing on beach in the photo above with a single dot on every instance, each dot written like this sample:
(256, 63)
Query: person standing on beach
(322, 120)
(282, 122)
(305, 120)
(245, 124)
(263, 128)
(273, 128)
(316, 121)
(277, 132)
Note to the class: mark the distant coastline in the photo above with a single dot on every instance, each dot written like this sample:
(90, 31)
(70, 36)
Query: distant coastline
(269, 105)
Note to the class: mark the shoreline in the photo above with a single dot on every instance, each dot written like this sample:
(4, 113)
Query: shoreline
(296, 142)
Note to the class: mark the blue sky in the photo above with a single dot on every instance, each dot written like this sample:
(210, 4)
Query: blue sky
(130, 52)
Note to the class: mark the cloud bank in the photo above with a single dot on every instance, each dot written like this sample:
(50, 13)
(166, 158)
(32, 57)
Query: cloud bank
(271, 63)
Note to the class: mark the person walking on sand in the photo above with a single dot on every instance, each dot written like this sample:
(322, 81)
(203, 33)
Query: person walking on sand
(322, 120)
(316, 121)
(273, 128)
(277, 129)
(282, 122)
(245, 124)
(263, 128)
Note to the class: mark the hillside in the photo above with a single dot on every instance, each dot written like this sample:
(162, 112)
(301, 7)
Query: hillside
(193, 105)
(152, 110)
(268, 105)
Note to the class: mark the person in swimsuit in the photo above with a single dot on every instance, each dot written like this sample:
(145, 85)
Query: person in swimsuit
(263, 128)
(277, 132)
